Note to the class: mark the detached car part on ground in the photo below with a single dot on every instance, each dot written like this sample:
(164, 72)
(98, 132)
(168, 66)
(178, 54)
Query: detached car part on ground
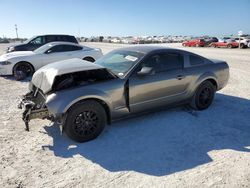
(25, 63)
(83, 97)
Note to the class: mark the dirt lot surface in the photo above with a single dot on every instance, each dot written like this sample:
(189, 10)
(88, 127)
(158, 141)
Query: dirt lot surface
(172, 148)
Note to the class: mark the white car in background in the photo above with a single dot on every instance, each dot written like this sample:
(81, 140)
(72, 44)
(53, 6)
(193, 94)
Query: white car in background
(25, 63)
(244, 41)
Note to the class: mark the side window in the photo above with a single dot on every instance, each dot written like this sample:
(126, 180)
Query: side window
(50, 38)
(171, 61)
(152, 61)
(71, 39)
(68, 48)
(75, 48)
(164, 62)
(63, 38)
(64, 48)
(38, 40)
(58, 48)
(195, 60)
(58, 38)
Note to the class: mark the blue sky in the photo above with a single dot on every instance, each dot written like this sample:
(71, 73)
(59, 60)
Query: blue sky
(124, 17)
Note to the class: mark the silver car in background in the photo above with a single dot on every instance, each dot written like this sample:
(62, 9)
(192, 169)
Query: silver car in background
(83, 97)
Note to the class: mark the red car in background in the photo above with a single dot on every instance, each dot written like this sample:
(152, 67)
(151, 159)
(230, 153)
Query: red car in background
(195, 42)
(225, 44)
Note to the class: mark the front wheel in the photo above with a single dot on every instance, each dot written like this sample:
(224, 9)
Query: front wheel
(23, 70)
(203, 96)
(85, 121)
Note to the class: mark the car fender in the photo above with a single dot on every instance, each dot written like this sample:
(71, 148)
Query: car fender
(35, 62)
(59, 102)
(205, 76)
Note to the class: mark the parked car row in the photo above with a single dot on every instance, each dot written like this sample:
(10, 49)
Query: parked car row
(226, 42)
(4, 40)
(137, 39)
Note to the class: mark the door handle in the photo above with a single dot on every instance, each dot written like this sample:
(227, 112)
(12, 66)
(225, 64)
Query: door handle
(180, 77)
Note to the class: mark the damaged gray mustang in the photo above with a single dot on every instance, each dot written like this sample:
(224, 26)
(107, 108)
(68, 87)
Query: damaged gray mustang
(83, 97)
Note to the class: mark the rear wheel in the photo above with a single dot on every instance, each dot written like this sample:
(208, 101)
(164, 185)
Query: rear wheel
(85, 121)
(229, 46)
(23, 70)
(242, 45)
(203, 96)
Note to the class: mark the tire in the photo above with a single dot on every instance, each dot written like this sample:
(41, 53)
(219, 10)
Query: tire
(229, 46)
(85, 121)
(242, 46)
(183, 44)
(213, 45)
(90, 59)
(203, 96)
(22, 70)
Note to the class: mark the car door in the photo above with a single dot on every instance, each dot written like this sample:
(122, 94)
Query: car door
(164, 85)
(57, 53)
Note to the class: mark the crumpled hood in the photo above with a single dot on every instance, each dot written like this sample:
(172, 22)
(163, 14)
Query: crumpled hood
(16, 54)
(45, 76)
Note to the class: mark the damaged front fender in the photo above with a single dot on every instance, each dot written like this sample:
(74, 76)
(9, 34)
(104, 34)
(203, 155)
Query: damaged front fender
(58, 103)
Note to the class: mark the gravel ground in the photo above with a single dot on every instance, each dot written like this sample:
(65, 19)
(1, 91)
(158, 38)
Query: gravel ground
(173, 148)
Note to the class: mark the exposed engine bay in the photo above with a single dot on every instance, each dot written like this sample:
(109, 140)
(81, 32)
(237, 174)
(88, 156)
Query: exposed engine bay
(80, 79)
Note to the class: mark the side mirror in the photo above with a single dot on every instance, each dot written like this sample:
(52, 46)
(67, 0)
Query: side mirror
(48, 52)
(145, 71)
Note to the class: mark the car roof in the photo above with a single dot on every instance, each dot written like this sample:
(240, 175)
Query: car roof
(62, 43)
(144, 48)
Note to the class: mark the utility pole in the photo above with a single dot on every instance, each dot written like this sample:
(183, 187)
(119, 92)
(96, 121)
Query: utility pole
(16, 31)
(240, 33)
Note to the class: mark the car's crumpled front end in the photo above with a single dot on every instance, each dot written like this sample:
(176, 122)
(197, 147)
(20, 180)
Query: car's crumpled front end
(34, 106)
(57, 79)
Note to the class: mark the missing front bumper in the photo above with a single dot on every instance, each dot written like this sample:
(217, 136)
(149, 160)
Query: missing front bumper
(30, 112)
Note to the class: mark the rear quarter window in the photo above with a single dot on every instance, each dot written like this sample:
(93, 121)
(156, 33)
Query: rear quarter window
(196, 60)
(72, 39)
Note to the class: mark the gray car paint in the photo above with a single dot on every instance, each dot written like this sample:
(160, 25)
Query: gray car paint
(144, 92)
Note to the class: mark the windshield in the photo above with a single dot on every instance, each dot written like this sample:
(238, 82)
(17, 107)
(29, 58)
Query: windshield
(43, 49)
(120, 62)
(30, 39)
